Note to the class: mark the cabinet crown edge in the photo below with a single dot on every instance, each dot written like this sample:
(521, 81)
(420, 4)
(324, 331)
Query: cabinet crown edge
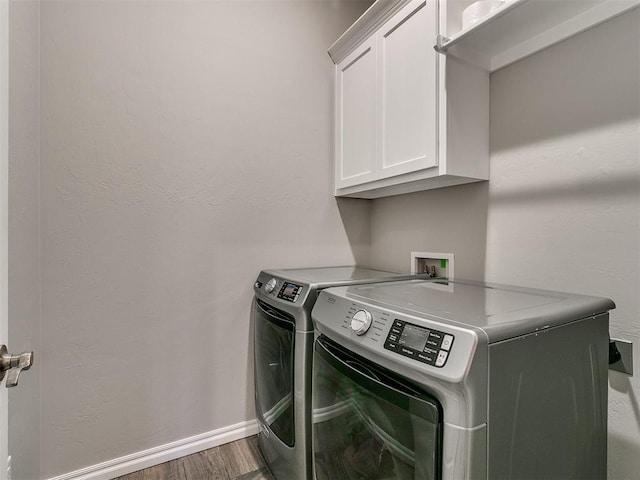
(370, 21)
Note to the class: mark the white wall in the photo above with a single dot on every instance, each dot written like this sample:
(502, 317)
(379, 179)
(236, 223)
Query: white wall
(24, 235)
(562, 207)
(184, 147)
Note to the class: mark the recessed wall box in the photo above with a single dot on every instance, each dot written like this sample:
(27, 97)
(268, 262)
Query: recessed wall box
(439, 265)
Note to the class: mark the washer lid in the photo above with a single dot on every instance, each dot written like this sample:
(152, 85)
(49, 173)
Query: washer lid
(501, 311)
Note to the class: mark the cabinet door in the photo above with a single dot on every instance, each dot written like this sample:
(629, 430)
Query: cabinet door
(408, 100)
(356, 117)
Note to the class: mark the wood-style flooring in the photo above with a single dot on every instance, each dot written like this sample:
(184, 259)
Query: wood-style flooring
(240, 460)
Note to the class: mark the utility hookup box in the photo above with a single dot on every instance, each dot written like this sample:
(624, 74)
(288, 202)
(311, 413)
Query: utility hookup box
(437, 265)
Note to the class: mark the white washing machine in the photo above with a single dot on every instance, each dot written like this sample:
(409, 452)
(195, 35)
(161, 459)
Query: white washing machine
(458, 381)
(283, 341)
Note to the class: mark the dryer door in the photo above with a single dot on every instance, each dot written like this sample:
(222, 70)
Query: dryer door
(369, 423)
(274, 337)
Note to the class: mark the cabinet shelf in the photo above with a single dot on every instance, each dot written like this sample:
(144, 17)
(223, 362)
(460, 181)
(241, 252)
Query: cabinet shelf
(521, 28)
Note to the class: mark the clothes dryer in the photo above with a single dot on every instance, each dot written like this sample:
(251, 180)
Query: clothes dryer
(283, 340)
(459, 380)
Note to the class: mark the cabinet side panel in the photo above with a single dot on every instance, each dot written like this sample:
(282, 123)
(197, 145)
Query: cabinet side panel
(548, 404)
(465, 97)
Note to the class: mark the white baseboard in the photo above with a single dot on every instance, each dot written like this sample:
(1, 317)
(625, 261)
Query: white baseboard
(163, 453)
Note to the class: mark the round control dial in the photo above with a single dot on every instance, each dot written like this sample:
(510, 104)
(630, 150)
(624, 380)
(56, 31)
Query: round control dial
(360, 322)
(270, 285)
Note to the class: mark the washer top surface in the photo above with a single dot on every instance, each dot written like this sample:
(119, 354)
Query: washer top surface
(295, 290)
(501, 311)
(324, 277)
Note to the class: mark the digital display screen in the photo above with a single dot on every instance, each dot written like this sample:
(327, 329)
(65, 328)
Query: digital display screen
(289, 291)
(414, 337)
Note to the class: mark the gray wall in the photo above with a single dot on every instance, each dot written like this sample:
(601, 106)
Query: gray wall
(184, 146)
(447, 220)
(562, 208)
(24, 234)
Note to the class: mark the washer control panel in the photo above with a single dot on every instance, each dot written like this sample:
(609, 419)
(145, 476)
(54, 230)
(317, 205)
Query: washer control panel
(273, 288)
(423, 344)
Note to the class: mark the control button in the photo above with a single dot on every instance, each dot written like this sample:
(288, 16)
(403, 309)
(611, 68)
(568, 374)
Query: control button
(437, 336)
(258, 284)
(430, 351)
(430, 359)
(396, 331)
(407, 353)
(446, 342)
(270, 285)
(392, 337)
(433, 343)
(360, 322)
(391, 346)
(442, 357)
(398, 324)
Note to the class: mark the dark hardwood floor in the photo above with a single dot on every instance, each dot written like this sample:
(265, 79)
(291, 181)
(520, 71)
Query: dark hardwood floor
(240, 460)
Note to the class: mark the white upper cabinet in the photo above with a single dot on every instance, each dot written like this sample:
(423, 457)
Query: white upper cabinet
(394, 121)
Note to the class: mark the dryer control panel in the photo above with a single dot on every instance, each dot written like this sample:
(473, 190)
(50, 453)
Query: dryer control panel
(423, 344)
